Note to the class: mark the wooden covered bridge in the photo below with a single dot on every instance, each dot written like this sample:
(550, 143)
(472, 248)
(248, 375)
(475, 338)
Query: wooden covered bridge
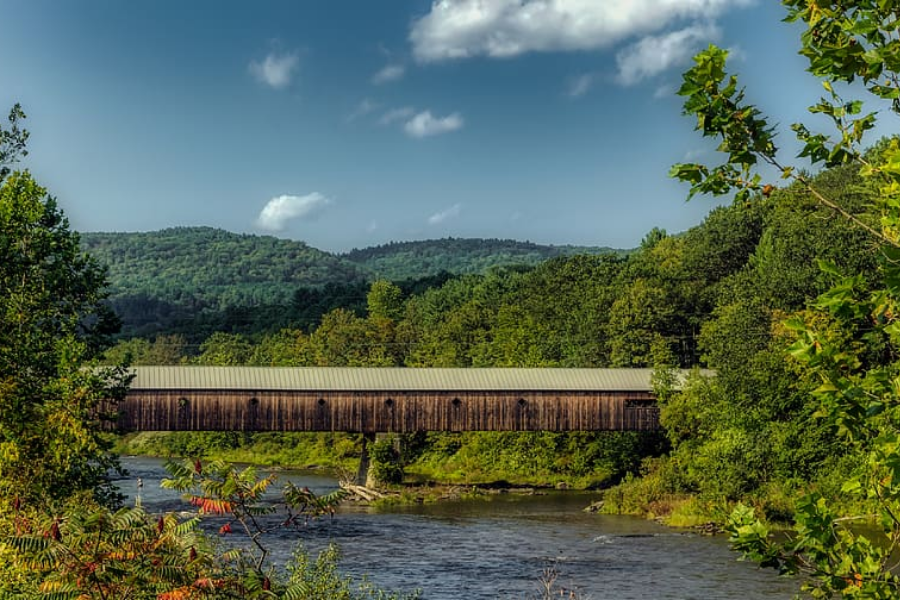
(388, 400)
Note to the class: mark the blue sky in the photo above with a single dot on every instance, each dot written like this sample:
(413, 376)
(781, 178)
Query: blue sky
(349, 123)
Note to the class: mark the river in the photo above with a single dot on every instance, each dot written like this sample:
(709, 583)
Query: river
(497, 548)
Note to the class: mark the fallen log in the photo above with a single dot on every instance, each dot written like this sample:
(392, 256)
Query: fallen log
(367, 494)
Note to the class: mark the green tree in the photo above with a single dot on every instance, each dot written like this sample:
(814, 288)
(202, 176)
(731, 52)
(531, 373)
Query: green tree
(849, 342)
(385, 301)
(225, 349)
(12, 141)
(53, 326)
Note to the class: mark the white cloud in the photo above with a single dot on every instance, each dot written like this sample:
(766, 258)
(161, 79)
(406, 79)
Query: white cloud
(276, 70)
(666, 90)
(580, 85)
(654, 54)
(502, 28)
(449, 213)
(281, 209)
(365, 107)
(737, 53)
(397, 114)
(388, 74)
(424, 124)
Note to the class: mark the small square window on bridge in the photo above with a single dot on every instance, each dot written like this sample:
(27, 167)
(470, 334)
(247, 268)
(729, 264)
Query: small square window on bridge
(642, 403)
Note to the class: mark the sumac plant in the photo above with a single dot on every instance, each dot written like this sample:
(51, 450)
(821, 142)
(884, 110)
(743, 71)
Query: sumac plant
(91, 552)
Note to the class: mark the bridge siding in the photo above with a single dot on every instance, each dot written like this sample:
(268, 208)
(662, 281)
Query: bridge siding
(385, 411)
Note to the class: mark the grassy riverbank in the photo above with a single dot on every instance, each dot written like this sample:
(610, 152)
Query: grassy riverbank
(544, 460)
(336, 452)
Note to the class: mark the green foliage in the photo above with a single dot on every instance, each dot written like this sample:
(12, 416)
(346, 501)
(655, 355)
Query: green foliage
(225, 349)
(199, 280)
(578, 459)
(164, 350)
(86, 552)
(12, 141)
(398, 261)
(52, 324)
(178, 274)
(335, 451)
(90, 552)
(384, 301)
(320, 580)
(387, 465)
(847, 342)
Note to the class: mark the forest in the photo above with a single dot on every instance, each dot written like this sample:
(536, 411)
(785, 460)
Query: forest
(198, 280)
(790, 292)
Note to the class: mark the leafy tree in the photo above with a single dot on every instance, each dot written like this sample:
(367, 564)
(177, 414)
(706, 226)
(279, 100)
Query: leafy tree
(164, 350)
(12, 141)
(287, 348)
(849, 341)
(53, 327)
(385, 301)
(225, 349)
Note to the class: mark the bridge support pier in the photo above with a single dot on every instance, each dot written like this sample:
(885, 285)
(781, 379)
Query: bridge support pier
(364, 475)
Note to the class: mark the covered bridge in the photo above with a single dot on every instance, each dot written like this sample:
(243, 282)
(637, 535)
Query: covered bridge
(393, 400)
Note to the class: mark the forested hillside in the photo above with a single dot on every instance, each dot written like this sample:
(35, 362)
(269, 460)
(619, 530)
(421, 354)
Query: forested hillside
(196, 280)
(212, 268)
(405, 260)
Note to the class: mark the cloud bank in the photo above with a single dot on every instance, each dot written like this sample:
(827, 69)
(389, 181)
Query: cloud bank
(281, 209)
(276, 70)
(455, 29)
(425, 124)
(449, 213)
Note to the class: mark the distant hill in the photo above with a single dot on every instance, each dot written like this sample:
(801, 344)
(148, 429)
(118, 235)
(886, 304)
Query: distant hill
(185, 278)
(214, 267)
(408, 260)
(161, 278)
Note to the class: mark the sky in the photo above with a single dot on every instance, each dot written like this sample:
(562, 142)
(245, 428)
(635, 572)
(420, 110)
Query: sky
(350, 123)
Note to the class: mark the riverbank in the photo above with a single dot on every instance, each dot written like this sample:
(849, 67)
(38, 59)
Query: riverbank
(498, 546)
(579, 461)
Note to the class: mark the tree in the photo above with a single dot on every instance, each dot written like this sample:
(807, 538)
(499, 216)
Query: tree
(225, 349)
(12, 141)
(385, 301)
(850, 339)
(53, 327)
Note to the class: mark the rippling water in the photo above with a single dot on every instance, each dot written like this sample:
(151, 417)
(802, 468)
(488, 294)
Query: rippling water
(498, 548)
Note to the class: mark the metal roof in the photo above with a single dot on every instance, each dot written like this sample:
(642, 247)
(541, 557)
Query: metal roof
(390, 379)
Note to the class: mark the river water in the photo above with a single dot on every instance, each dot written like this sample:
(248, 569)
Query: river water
(497, 548)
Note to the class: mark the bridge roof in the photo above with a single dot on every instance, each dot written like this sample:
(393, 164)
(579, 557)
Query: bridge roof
(390, 379)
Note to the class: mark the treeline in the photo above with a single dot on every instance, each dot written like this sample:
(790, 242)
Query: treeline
(404, 260)
(197, 280)
(714, 296)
